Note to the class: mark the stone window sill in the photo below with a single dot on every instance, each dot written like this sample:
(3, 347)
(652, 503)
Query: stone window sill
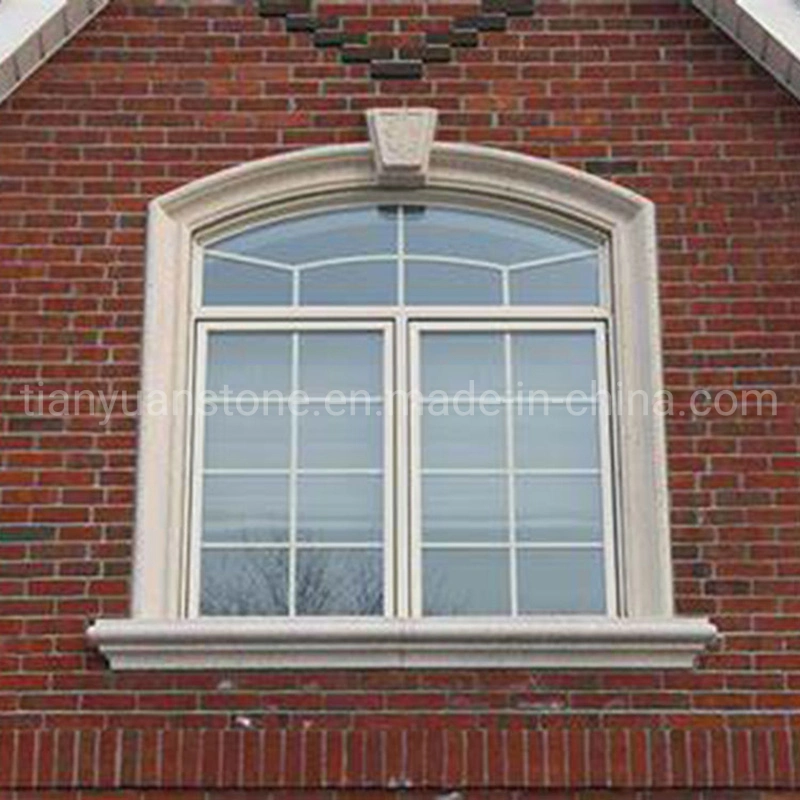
(534, 642)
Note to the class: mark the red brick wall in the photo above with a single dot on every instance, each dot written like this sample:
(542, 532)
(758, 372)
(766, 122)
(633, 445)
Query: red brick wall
(154, 94)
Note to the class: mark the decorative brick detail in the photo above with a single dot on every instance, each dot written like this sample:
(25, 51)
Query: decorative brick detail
(403, 63)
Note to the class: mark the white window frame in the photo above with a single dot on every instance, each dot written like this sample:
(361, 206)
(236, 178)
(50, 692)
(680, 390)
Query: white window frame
(644, 634)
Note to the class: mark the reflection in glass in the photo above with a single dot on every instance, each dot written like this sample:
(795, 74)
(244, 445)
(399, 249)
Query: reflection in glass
(242, 583)
(237, 440)
(453, 440)
(246, 508)
(429, 283)
(561, 582)
(567, 283)
(464, 508)
(482, 236)
(555, 437)
(564, 508)
(340, 508)
(341, 437)
(339, 583)
(370, 230)
(346, 362)
(556, 363)
(373, 283)
(464, 582)
(463, 362)
(232, 283)
(249, 362)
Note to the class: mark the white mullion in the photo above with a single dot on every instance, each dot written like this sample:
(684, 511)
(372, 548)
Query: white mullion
(344, 260)
(251, 261)
(344, 545)
(510, 462)
(389, 554)
(501, 471)
(565, 258)
(456, 545)
(192, 575)
(414, 487)
(295, 288)
(293, 460)
(605, 421)
(507, 314)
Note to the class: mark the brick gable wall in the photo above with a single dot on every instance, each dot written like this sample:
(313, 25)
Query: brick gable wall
(154, 94)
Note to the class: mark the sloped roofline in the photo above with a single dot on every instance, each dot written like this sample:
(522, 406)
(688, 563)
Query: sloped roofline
(768, 30)
(33, 34)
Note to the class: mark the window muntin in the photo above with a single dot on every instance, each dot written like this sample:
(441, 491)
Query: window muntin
(405, 264)
(404, 255)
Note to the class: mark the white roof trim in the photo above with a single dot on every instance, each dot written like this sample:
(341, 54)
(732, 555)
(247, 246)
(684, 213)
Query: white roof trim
(31, 32)
(768, 31)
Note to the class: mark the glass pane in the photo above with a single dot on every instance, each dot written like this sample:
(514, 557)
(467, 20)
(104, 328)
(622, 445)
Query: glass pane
(340, 508)
(373, 283)
(334, 234)
(459, 582)
(559, 509)
(561, 582)
(339, 583)
(249, 362)
(472, 440)
(238, 508)
(556, 363)
(570, 283)
(483, 237)
(556, 437)
(464, 508)
(463, 362)
(350, 439)
(244, 583)
(231, 283)
(432, 284)
(243, 441)
(351, 363)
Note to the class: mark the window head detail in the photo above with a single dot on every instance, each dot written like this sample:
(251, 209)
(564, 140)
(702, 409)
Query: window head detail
(504, 268)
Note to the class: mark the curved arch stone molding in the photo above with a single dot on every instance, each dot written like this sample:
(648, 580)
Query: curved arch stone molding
(645, 634)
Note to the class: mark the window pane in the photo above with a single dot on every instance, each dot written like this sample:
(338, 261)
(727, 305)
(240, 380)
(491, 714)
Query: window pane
(239, 508)
(463, 362)
(464, 508)
(555, 363)
(484, 237)
(231, 283)
(556, 437)
(561, 582)
(432, 284)
(248, 441)
(249, 362)
(244, 583)
(372, 283)
(559, 509)
(334, 508)
(346, 362)
(339, 582)
(473, 440)
(569, 283)
(334, 234)
(353, 439)
(459, 582)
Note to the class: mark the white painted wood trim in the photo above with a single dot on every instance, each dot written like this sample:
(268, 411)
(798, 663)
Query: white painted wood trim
(768, 30)
(35, 49)
(245, 643)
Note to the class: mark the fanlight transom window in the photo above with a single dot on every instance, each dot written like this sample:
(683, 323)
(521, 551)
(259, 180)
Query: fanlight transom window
(402, 410)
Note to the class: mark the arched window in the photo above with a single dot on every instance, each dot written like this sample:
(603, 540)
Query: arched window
(403, 432)
(412, 418)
